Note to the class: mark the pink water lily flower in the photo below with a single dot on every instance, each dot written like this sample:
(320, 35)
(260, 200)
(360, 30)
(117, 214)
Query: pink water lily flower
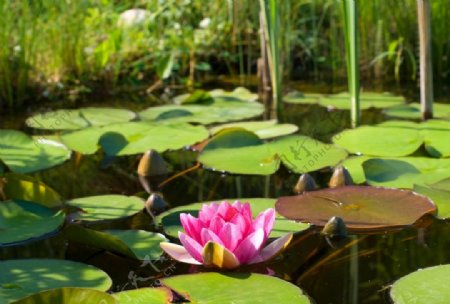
(226, 236)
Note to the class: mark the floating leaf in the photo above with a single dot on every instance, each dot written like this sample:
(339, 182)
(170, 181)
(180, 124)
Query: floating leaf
(106, 207)
(23, 154)
(424, 286)
(362, 208)
(79, 119)
(440, 197)
(239, 93)
(68, 295)
(134, 138)
(354, 167)
(412, 111)
(299, 153)
(342, 100)
(33, 275)
(379, 141)
(404, 172)
(170, 220)
(22, 187)
(22, 221)
(235, 288)
(136, 244)
(264, 129)
(144, 296)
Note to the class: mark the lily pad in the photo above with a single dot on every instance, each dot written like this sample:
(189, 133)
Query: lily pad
(303, 98)
(144, 296)
(379, 141)
(170, 220)
(342, 100)
(22, 187)
(424, 286)
(21, 278)
(354, 167)
(136, 244)
(239, 93)
(298, 153)
(363, 208)
(23, 154)
(404, 172)
(106, 207)
(412, 111)
(440, 197)
(236, 288)
(134, 138)
(264, 129)
(224, 107)
(79, 118)
(68, 295)
(22, 221)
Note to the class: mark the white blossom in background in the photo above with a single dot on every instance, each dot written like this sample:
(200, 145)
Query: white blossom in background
(204, 23)
(134, 16)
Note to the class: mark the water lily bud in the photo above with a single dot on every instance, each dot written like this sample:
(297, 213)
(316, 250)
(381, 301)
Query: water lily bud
(151, 168)
(340, 177)
(155, 204)
(335, 227)
(305, 183)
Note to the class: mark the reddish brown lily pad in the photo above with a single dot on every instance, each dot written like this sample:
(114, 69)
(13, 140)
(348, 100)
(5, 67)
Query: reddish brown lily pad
(363, 208)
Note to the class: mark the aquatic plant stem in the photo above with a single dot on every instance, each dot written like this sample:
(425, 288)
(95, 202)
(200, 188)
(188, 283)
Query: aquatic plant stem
(426, 64)
(193, 168)
(351, 43)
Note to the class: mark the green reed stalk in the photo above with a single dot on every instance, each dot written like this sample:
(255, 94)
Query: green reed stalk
(271, 27)
(351, 43)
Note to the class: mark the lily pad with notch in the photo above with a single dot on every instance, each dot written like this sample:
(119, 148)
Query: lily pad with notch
(440, 194)
(263, 129)
(76, 119)
(21, 278)
(170, 220)
(24, 154)
(235, 288)
(106, 207)
(160, 295)
(363, 208)
(68, 295)
(22, 221)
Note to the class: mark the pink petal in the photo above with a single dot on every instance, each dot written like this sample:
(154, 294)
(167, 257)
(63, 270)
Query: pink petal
(215, 255)
(273, 249)
(207, 212)
(231, 235)
(209, 235)
(241, 223)
(191, 225)
(192, 246)
(216, 224)
(265, 220)
(227, 211)
(178, 253)
(250, 246)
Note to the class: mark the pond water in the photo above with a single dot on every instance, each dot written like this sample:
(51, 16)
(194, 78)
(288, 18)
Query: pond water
(358, 269)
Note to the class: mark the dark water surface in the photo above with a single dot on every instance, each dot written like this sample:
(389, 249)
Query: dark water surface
(358, 269)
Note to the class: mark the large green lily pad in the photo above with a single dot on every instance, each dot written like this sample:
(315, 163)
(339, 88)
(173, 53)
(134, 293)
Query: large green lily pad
(424, 286)
(68, 295)
(412, 111)
(238, 288)
(79, 118)
(106, 207)
(22, 221)
(23, 187)
(353, 165)
(134, 138)
(342, 100)
(379, 141)
(136, 244)
(222, 107)
(144, 296)
(23, 154)
(298, 153)
(404, 172)
(363, 208)
(170, 220)
(21, 278)
(264, 129)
